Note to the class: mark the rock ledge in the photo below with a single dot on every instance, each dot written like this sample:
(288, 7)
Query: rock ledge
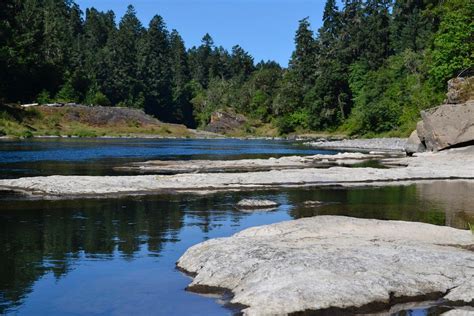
(334, 263)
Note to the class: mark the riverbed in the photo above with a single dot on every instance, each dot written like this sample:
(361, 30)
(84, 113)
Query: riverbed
(114, 256)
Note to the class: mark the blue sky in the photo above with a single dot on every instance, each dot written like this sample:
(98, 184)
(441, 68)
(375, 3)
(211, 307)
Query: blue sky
(265, 28)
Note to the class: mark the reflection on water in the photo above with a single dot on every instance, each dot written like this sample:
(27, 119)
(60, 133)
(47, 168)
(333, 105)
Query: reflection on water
(456, 199)
(117, 256)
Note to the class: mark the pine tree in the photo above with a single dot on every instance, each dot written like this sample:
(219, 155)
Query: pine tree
(241, 63)
(7, 60)
(154, 70)
(376, 32)
(303, 60)
(412, 24)
(121, 82)
(180, 77)
(201, 60)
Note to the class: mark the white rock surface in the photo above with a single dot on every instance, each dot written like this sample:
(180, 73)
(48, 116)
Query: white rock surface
(256, 204)
(450, 164)
(459, 312)
(381, 144)
(243, 165)
(330, 261)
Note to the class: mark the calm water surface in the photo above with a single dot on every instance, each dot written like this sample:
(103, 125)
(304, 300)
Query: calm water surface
(117, 256)
(99, 156)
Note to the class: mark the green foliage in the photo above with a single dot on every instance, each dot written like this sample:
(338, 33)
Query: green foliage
(291, 122)
(94, 97)
(370, 68)
(391, 97)
(66, 93)
(453, 49)
(43, 97)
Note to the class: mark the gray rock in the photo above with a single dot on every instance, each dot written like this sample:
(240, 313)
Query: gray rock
(460, 312)
(253, 204)
(460, 90)
(224, 121)
(333, 262)
(420, 131)
(448, 125)
(378, 144)
(312, 203)
(414, 144)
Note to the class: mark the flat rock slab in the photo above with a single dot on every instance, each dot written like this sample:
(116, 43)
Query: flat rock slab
(254, 204)
(450, 164)
(374, 144)
(247, 165)
(331, 263)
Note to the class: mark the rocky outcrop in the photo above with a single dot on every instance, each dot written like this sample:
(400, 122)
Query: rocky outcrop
(448, 125)
(331, 263)
(225, 121)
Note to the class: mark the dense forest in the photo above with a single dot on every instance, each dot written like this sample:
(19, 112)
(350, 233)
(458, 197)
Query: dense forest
(369, 69)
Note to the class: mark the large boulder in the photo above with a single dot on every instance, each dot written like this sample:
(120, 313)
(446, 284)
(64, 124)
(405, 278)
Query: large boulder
(335, 264)
(448, 125)
(414, 144)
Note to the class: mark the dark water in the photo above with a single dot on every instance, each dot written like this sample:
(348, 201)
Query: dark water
(117, 256)
(40, 157)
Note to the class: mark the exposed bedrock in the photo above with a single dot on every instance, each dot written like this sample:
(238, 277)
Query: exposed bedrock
(245, 165)
(451, 164)
(335, 263)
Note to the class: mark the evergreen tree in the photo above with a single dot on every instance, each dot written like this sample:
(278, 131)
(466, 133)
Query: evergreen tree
(7, 61)
(303, 60)
(413, 24)
(154, 71)
(180, 77)
(121, 83)
(200, 59)
(241, 63)
(376, 32)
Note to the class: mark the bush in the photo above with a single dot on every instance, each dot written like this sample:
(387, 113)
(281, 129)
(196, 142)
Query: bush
(66, 94)
(43, 97)
(99, 99)
(290, 122)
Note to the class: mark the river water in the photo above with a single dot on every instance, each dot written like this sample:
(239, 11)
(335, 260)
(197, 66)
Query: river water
(117, 256)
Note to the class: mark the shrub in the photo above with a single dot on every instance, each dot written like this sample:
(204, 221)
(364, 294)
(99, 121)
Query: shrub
(43, 97)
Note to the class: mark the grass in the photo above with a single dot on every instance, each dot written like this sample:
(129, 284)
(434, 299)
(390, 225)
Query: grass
(471, 227)
(42, 121)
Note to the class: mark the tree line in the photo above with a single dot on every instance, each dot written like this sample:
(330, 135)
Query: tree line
(370, 68)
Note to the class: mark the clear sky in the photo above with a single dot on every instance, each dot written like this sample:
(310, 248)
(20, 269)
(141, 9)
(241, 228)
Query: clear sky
(265, 28)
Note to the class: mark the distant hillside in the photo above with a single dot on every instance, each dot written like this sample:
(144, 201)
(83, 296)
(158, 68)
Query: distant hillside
(83, 121)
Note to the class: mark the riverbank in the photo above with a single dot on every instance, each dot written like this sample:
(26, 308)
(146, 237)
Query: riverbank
(449, 164)
(86, 121)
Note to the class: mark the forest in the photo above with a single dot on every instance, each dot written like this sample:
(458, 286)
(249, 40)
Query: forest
(369, 70)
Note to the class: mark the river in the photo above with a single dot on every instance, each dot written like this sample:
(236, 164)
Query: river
(117, 256)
